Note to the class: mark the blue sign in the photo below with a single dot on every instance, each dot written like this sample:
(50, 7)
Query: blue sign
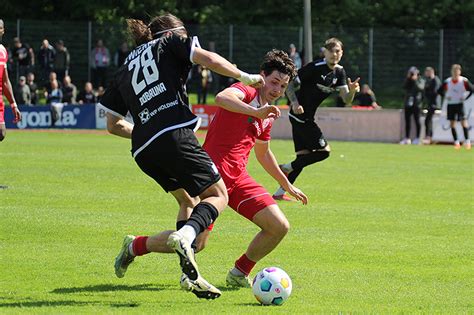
(40, 117)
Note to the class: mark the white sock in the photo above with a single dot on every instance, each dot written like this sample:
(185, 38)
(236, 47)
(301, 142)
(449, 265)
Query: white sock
(468, 141)
(237, 272)
(188, 232)
(457, 142)
(280, 192)
(130, 249)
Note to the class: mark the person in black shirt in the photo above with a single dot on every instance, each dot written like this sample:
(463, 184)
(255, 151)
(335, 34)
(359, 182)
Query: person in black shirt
(151, 86)
(87, 96)
(432, 84)
(317, 79)
(413, 87)
(366, 98)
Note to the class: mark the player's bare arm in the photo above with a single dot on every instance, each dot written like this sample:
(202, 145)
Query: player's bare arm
(347, 92)
(222, 66)
(8, 90)
(119, 126)
(291, 94)
(231, 99)
(268, 161)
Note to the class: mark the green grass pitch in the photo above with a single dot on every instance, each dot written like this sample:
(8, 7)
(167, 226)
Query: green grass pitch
(389, 229)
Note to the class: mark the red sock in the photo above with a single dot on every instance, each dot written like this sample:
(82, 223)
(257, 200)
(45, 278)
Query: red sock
(139, 246)
(244, 264)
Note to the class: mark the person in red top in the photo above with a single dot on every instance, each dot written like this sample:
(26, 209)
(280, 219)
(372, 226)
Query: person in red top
(5, 86)
(242, 122)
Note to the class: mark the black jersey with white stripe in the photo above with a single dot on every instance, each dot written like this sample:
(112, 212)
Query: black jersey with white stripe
(317, 82)
(151, 86)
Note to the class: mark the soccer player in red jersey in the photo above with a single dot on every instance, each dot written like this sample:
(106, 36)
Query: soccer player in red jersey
(5, 87)
(242, 122)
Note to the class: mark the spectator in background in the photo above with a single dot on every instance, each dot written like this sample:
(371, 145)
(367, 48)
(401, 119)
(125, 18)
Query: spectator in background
(100, 62)
(413, 87)
(23, 56)
(22, 92)
(366, 98)
(30, 80)
(121, 54)
(432, 84)
(295, 56)
(61, 61)
(87, 95)
(48, 86)
(56, 95)
(45, 58)
(206, 80)
(100, 93)
(69, 91)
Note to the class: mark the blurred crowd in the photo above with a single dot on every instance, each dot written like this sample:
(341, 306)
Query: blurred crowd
(42, 76)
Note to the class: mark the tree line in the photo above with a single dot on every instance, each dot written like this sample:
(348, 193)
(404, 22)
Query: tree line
(358, 13)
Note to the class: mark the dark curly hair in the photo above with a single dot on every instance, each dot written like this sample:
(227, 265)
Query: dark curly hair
(278, 60)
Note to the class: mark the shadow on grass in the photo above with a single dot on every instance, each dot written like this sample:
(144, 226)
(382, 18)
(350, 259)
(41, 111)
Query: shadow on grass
(112, 287)
(63, 303)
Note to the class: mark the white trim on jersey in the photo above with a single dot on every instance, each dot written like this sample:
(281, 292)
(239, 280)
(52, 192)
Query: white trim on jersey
(110, 111)
(323, 62)
(297, 119)
(198, 124)
(247, 199)
(194, 44)
(159, 133)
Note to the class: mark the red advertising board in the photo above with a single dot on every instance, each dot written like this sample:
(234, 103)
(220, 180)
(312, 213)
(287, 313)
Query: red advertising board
(206, 112)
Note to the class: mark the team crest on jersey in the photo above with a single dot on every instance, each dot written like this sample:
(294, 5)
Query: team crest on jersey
(144, 116)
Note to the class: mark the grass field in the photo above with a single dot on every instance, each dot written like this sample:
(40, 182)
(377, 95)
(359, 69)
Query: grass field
(389, 229)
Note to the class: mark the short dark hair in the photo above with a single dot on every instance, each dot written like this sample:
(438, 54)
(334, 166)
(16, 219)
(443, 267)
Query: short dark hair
(331, 42)
(278, 60)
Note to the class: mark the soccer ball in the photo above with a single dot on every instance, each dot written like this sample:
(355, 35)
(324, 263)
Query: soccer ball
(272, 286)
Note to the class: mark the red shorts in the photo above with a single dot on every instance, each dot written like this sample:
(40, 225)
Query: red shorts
(2, 113)
(247, 197)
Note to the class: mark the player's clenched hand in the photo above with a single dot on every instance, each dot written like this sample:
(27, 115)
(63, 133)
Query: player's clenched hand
(268, 111)
(297, 108)
(353, 86)
(16, 114)
(298, 194)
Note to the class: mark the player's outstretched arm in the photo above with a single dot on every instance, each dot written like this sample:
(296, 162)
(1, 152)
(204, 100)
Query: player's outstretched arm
(8, 90)
(119, 126)
(268, 161)
(291, 94)
(231, 99)
(222, 66)
(347, 92)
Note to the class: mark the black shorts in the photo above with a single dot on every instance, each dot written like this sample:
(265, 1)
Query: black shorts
(456, 112)
(307, 136)
(177, 160)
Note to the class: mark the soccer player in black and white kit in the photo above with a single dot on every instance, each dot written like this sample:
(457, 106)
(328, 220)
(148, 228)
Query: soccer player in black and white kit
(453, 90)
(151, 86)
(317, 80)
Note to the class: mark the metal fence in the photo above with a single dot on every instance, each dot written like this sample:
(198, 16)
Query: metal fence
(380, 56)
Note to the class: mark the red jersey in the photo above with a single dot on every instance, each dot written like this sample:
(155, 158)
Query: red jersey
(3, 67)
(231, 136)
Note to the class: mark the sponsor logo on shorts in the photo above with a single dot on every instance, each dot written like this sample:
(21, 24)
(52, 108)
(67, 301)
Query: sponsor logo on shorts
(322, 142)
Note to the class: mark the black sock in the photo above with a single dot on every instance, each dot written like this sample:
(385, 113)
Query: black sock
(303, 160)
(455, 135)
(203, 215)
(466, 133)
(294, 174)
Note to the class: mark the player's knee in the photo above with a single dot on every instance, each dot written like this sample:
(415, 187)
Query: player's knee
(280, 228)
